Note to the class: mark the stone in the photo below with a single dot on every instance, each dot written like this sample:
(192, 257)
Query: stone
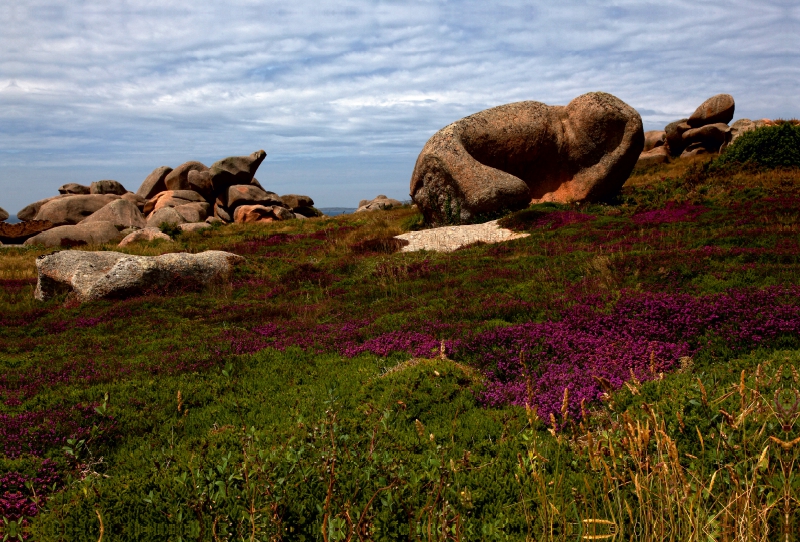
(307, 212)
(249, 195)
(300, 217)
(255, 182)
(653, 139)
(214, 220)
(178, 178)
(200, 182)
(381, 203)
(73, 188)
(29, 211)
(107, 187)
(136, 199)
(235, 170)
(194, 212)
(94, 233)
(154, 183)
(509, 156)
(70, 210)
(145, 235)
(21, 231)
(248, 214)
(674, 135)
(293, 201)
(711, 136)
(222, 213)
(3, 214)
(695, 149)
(745, 125)
(657, 155)
(171, 198)
(716, 109)
(90, 276)
(167, 215)
(122, 213)
(194, 226)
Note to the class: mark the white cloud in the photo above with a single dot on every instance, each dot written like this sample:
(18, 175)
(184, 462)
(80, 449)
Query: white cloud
(131, 85)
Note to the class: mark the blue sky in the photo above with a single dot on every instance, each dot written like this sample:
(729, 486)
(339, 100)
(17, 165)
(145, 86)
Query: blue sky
(342, 95)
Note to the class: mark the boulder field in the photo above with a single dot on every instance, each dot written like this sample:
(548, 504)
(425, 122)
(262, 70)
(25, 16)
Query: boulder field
(190, 197)
(508, 157)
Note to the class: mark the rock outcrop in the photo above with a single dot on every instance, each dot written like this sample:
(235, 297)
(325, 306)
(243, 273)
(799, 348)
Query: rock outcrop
(94, 233)
(3, 214)
(154, 183)
(380, 203)
(235, 170)
(122, 213)
(178, 178)
(107, 187)
(95, 275)
(17, 233)
(506, 157)
(74, 189)
(69, 210)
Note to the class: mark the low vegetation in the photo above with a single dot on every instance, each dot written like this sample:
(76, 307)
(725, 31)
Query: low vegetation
(626, 372)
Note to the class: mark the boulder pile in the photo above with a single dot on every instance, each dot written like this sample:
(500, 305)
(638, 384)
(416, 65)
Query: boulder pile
(508, 157)
(190, 197)
(706, 131)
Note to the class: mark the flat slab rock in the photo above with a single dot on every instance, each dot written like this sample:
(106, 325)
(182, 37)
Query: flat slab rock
(450, 238)
(95, 275)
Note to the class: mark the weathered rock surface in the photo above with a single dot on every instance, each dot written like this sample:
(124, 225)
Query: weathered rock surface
(716, 109)
(154, 183)
(293, 201)
(68, 210)
(29, 211)
(235, 170)
(653, 139)
(248, 214)
(194, 212)
(171, 198)
(509, 156)
(95, 275)
(710, 136)
(222, 213)
(136, 199)
(674, 135)
(107, 187)
(249, 195)
(657, 155)
(194, 226)
(144, 235)
(167, 215)
(307, 212)
(73, 188)
(94, 233)
(178, 178)
(200, 182)
(695, 149)
(19, 232)
(381, 203)
(122, 213)
(3, 214)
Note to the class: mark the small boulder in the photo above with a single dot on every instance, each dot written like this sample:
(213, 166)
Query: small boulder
(69, 210)
(95, 233)
(3, 215)
(17, 233)
(222, 213)
(249, 195)
(657, 155)
(122, 213)
(653, 139)
(293, 201)
(695, 149)
(214, 220)
(144, 235)
(154, 183)
(74, 188)
(716, 109)
(167, 215)
(235, 170)
(381, 203)
(194, 226)
(194, 212)
(107, 187)
(95, 275)
(178, 178)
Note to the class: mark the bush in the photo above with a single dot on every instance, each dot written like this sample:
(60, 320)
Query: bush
(770, 147)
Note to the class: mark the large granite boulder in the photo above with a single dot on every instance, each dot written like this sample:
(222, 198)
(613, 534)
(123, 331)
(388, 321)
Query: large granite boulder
(145, 235)
(194, 212)
(29, 211)
(95, 275)
(74, 189)
(68, 210)
(154, 183)
(122, 213)
(178, 178)
(247, 194)
(716, 109)
(674, 135)
(3, 214)
(167, 215)
(94, 233)
(294, 201)
(657, 155)
(250, 214)
(235, 170)
(200, 182)
(710, 136)
(107, 187)
(21, 231)
(653, 139)
(136, 199)
(171, 198)
(506, 157)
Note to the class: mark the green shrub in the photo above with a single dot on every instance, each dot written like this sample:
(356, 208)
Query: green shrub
(769, 147)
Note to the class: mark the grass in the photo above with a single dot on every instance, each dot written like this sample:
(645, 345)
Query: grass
(338, 390)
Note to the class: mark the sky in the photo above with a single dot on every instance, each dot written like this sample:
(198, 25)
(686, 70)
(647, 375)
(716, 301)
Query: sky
(342, 95)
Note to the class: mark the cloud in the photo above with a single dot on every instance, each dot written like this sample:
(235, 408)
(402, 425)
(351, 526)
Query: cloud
(127, 86)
